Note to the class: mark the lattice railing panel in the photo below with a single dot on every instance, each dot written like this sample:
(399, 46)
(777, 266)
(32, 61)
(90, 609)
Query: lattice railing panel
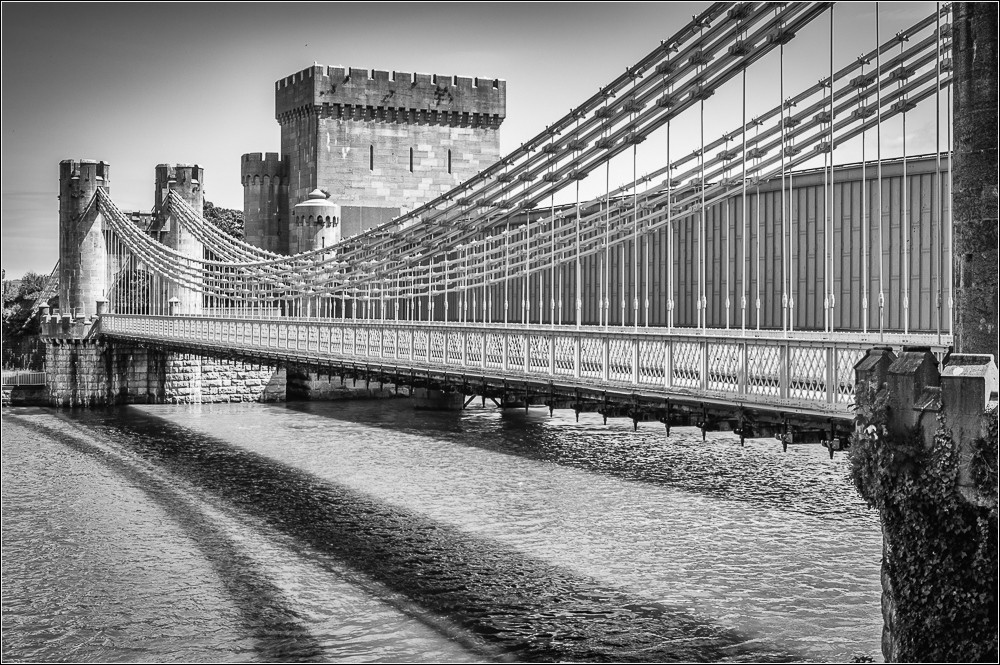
(404, 343)
(474, 348)
(454, 347)
(515, 352)
(807, 373)
(389, 343)
(361, 341)
(494, 351)
(350, 337)
(846, 360)
(565, 359)
(437, 346)
(652, 358)
(763, 370)
(591, 358)
(686, 358)
(724, 367)
(620, 360)
(539, 353)
(421, 344)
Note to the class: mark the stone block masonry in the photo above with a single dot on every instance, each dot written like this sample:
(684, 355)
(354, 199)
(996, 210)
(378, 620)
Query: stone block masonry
(378, 142)
(92, 372)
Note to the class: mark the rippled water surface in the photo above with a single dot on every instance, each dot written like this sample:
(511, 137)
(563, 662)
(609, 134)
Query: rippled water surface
(368, 531)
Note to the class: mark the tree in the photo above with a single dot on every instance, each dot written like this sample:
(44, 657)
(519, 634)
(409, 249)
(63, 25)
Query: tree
(18, 306)
(227, 220)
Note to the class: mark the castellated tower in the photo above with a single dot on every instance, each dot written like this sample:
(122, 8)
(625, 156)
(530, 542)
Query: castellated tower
(82, 251)
(379, 143)
(185, 180)
(265, 200)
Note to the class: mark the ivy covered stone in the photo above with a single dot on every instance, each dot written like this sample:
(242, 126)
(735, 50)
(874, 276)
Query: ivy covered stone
(940, 555)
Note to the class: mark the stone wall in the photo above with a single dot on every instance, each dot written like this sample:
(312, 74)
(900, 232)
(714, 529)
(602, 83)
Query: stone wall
(86, 372)
(377, 141)
(191, 378)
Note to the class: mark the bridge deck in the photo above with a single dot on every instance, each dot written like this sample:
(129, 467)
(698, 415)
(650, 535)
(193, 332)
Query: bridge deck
(810, 374)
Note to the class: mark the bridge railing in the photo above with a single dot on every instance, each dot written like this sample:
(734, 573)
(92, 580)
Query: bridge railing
(810, 371)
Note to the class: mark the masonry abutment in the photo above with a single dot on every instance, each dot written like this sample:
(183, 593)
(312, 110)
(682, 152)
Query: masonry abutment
(82, 249)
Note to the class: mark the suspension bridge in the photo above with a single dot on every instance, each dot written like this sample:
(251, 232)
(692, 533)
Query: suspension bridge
(736, 284)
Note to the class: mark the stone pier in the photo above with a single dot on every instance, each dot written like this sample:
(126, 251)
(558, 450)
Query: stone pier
(84, 369)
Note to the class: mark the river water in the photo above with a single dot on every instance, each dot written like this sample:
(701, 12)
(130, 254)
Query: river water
(367, 531)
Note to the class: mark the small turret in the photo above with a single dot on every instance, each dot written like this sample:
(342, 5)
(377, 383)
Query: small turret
(316, 222)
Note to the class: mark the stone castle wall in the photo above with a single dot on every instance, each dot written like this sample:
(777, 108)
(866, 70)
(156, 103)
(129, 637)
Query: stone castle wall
(378, 142)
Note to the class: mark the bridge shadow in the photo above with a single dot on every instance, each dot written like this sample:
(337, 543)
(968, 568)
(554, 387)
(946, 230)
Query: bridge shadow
(801, 480)
(510, 603)
(268, 616)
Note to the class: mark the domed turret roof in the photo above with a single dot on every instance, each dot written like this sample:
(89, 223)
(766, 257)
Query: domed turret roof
(316, 204)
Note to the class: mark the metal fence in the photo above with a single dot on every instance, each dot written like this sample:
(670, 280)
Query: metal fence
(23, 378)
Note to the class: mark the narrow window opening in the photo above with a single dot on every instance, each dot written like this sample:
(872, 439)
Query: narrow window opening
(411, 160)
(449, 160)
(371, 158)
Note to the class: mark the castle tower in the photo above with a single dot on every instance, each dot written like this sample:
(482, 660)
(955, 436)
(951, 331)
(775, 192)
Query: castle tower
(185, 180)
(83, 258)
(378, 142)
(265, 201)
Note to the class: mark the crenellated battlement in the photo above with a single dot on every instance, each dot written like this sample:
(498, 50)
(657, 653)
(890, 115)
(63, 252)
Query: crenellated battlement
(401, 97)
(185, 179)
(255, 167)
(84, 174)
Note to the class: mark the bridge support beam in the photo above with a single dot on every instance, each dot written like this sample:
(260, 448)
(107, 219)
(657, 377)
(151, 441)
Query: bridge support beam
(429, 399)
(310, 385)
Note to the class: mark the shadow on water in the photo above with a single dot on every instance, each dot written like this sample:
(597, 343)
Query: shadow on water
(758, 472)
(269, 618)
(511, 602)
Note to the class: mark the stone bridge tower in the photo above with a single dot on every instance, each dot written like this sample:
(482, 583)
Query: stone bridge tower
(378, 143)
(83, 259)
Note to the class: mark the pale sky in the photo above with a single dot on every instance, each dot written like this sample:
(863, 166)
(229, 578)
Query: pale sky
(137, 85)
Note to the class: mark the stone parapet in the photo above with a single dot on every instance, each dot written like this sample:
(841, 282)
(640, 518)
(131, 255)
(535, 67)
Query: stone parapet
(361, 94)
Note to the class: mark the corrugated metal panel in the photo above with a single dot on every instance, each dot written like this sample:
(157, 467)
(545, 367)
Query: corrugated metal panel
(903, 262)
